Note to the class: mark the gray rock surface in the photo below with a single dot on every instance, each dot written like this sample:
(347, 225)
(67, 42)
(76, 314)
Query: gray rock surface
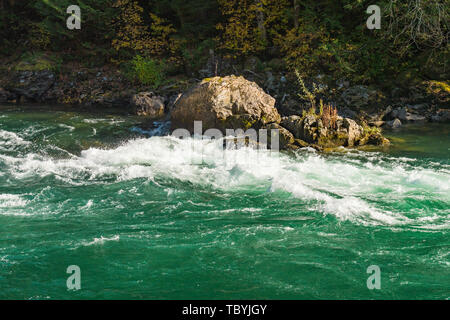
(225, 103)
(148, 104)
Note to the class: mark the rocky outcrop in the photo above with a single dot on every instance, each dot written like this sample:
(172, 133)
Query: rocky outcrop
(284, 137)
(353, 131)
(32, 84)
(405, 114)
(148, 104)
(442, 115)
(359, 96)
(345, 132)
(225, 103)
(6, 96)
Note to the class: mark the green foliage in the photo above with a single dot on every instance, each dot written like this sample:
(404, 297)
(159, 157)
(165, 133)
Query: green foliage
(38, 61)
(308, 95)
(327, 37)
(196, 57)
(368, 130)
(147, 71)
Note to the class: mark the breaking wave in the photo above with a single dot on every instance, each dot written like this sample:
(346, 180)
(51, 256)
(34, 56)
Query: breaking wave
(362, 187)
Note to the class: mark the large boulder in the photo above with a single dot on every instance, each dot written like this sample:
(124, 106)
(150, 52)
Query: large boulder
(148, 104)
(225, 103)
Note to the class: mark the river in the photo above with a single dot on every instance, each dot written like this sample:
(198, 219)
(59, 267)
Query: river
(143, 221)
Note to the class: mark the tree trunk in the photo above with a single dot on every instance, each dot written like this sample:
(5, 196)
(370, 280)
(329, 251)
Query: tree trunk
(296, 13)
(261, 19)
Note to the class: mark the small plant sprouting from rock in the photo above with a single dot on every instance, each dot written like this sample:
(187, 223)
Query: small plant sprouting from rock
(370, 130)
(306, 94)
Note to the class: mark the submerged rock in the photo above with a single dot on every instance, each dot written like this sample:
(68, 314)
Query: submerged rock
(148, 104)
(225, 103)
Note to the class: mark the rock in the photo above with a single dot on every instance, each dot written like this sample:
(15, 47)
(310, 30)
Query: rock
(293, 124)
(399, 113)
(300, 143)
(354, 131)
(418, 107)
(358, 96)
(378, 140)
(394, 123)
(148, 104)
(347, 113)
(386, 114)
(308, 129)
(404, 115)
(443, 115)
(33, 85)
(6, 95)
(225, 103)
(172, 101)
(311, 130)
(414, 117)
(378, 123)
(285, 137)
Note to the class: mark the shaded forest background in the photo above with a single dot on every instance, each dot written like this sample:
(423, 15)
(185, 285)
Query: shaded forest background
(163, 38)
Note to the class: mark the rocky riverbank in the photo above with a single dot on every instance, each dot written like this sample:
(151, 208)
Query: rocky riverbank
(257, 100)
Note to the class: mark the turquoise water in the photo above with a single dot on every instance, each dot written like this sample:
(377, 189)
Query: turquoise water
(143, 221)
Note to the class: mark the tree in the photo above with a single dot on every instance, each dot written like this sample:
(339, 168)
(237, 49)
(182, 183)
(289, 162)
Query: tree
(250, 26)
(150, 36)
(418, 23)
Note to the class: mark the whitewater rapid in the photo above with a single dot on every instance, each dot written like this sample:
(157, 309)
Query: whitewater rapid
(357, 186)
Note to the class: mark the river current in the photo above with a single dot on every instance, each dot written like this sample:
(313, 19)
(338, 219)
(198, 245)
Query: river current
(144, 221)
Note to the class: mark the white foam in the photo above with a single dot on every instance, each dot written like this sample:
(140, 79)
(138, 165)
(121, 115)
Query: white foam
(102, 240)
(65, 126)
(350, 186)
(10, 140)
(12, 201)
